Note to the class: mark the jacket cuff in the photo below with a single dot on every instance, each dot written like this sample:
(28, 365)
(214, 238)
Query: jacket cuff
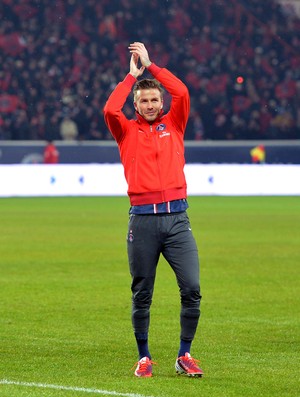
(154, 69)
(129, 80)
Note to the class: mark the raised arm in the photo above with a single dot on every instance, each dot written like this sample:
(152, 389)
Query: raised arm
(113, 114)
(180, 105)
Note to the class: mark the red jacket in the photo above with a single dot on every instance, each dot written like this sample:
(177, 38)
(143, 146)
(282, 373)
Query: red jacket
(51, 154)
(152, 154)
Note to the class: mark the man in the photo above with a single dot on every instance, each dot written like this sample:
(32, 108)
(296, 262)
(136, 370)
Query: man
(51, 154)
(152, 153)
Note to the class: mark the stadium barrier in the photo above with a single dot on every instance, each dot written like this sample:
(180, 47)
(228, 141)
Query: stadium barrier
(206, 152)
(29, 180)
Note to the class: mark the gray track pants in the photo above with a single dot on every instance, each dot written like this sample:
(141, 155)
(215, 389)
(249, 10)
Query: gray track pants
(169, 235)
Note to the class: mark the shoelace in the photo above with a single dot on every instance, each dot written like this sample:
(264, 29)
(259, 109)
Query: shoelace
(143, 365)
(191, 362)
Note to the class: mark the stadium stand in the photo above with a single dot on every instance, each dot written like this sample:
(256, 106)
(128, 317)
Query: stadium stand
(59, 60)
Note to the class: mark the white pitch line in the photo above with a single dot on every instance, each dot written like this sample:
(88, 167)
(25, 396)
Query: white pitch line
(70, 388)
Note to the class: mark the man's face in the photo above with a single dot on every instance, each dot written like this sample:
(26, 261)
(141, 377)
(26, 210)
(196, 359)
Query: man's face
(148, 103)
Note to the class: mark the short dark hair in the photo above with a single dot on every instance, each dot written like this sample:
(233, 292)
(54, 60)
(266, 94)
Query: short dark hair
(147, 84)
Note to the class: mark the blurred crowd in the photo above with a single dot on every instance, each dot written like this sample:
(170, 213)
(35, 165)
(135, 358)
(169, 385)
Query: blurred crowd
(60, 59)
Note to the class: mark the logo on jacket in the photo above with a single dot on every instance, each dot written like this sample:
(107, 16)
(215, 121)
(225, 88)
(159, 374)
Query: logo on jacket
(163, 134)
(161, 127)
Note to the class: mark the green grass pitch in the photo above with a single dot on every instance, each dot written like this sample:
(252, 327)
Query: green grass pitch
(65, 300)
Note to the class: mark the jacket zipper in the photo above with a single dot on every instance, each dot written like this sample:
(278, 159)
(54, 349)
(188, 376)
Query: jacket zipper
(158, 166)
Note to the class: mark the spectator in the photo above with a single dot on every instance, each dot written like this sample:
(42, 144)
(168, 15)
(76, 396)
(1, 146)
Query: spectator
(51, 154)
(68, 129)
(20, 128)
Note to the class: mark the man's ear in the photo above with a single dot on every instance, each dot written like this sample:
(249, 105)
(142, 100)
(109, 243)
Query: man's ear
(134, 104)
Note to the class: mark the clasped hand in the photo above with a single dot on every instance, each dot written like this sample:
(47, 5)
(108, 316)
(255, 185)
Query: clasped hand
(138, 52)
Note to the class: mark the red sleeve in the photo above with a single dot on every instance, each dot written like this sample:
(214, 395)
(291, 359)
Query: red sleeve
(180, 105)
(114, 118)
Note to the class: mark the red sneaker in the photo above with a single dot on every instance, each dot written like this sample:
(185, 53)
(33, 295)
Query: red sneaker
(144, 368)
(187, 365)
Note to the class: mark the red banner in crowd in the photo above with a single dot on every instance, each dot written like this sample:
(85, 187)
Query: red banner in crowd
(241, 103)
(13, 43)
(74, 27)
(8, 103)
